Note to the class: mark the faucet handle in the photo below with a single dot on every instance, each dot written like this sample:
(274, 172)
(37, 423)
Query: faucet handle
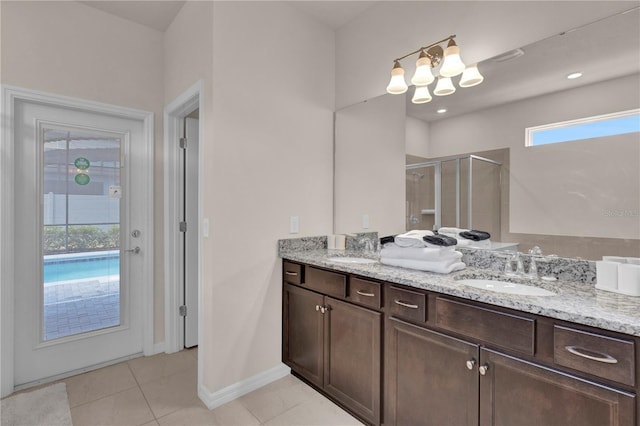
(535, 251)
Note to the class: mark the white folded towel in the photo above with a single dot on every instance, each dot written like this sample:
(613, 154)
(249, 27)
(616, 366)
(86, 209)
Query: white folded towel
(451, 231)
(420, 265)
(412, 238)
(394, 251)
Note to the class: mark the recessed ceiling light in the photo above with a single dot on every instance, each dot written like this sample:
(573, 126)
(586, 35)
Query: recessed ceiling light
(574, 75)
(441, 111)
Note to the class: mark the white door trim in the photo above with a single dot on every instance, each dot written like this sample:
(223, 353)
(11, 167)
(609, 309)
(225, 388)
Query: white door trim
(174, 112)
(9, 95)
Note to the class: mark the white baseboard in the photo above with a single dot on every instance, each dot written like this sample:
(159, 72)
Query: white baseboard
(236, 390)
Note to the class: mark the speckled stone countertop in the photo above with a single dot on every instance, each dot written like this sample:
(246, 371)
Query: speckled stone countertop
(576, 302)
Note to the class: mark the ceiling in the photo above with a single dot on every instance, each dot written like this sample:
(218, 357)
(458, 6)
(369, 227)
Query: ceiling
(158, 17)
(159, 14)
(334, 14)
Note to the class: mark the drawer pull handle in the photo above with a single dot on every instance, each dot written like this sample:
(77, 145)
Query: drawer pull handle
(594, 356)
(405, 304)
(362, 293)
(295, 274)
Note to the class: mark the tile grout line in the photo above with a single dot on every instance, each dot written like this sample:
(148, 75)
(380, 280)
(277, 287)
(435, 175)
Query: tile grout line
(142, 392)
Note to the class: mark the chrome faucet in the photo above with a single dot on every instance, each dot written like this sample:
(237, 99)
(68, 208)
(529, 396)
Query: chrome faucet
(367, 244)
(508, 267)
(533, 268)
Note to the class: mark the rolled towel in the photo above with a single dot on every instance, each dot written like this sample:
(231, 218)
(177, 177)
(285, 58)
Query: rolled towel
(475, 235)
(412, 238)
(393, 251)
(420, 265)
(440, 240)
(388, 239)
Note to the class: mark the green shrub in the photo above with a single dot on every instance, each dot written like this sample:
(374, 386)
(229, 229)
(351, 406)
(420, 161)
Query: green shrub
(80, 238)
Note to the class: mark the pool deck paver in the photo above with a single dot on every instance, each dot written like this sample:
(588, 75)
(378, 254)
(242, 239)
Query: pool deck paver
(79, 306)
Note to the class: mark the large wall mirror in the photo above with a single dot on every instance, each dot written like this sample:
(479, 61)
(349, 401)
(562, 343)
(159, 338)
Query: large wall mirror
(573, 199)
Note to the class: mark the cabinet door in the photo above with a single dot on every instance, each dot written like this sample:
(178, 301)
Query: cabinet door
(516, 392)
(352, 357)
(303, 332)
(427, 378)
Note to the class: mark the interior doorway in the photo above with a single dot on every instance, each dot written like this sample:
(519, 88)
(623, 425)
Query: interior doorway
(183, 133)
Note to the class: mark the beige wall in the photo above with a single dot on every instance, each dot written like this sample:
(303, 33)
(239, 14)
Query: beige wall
(269, 156)
(370, 150)
(417, 137)
(71, 49)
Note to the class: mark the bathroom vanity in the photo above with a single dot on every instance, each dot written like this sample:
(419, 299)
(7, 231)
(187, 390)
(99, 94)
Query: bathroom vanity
(400, 347)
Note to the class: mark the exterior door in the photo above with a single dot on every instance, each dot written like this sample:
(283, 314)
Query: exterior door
(80, 209)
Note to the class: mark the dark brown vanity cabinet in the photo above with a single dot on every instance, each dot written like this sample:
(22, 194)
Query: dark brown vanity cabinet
(433, 378)
(517, 392)
(334, 344)
(451, 361)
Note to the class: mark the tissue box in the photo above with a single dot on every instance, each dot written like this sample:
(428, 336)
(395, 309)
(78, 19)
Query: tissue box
(618, 274)
(629, 279)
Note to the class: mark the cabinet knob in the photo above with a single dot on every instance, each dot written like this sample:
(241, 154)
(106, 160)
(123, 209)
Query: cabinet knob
(317, 307)
(483, 369)
(471, 363)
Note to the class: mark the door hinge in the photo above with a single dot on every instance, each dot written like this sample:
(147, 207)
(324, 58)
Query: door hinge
(183, 226)
(182, 311)
(183, 143)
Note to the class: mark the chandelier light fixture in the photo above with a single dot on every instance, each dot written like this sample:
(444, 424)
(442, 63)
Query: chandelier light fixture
(429, 58)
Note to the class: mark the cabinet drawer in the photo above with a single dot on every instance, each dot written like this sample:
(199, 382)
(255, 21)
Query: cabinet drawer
(326, 282)
(292, 272)
(598, 355)
(365, 292)
(504, 330)
(407, 304)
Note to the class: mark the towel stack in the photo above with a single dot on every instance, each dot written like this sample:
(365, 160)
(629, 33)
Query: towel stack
(468, 238)
(412, 251)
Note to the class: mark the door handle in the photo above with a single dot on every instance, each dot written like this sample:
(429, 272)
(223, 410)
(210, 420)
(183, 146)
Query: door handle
(134, 250)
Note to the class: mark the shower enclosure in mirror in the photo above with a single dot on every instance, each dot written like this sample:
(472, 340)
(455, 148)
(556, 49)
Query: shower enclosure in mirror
(462, 192)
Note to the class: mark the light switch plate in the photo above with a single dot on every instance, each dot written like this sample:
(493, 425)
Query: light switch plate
(293, 224)
(365, 221)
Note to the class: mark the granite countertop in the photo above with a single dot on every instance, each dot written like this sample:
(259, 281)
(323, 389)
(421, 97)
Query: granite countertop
(576, 302)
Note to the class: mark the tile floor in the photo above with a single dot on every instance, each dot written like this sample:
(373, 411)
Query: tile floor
(161, 390)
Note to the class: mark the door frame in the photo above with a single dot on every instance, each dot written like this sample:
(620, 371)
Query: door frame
(174, 113)
(9, 95)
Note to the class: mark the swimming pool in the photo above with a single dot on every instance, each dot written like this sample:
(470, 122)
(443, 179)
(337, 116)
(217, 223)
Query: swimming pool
(82, 265)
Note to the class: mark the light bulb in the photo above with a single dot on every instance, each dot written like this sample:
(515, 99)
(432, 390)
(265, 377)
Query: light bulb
(423, 75)
(421, 95)
(471, 76)
(397, 85)
(444, 87)
(452, 64)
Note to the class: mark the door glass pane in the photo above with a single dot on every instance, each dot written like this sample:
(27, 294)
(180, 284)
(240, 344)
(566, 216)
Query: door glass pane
(81, 232)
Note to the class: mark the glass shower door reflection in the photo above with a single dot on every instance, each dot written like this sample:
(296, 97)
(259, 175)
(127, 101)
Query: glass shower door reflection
(81, 205)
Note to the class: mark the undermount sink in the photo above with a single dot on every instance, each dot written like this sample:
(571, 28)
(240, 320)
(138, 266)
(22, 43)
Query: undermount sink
(346, 259)
(507, 287)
